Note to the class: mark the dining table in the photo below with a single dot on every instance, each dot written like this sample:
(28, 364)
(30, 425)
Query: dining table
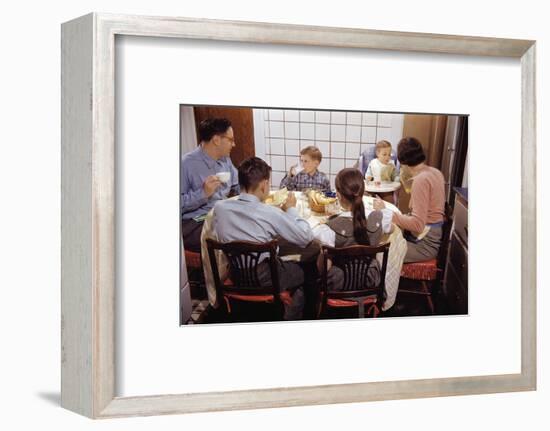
(315, 218)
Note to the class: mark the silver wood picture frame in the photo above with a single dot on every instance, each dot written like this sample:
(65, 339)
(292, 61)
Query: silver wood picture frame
(88, 214)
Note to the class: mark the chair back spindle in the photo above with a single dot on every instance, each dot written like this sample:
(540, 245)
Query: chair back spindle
(244, 258)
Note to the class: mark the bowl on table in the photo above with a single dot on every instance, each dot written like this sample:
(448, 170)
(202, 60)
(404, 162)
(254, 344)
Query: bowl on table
(318, 202)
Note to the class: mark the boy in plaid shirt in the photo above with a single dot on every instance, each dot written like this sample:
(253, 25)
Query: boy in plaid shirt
(309, 177)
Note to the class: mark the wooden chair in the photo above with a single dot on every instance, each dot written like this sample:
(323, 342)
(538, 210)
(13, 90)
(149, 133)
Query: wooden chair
(354, 261)
(243, 283)
(193, 260)
(427, 273)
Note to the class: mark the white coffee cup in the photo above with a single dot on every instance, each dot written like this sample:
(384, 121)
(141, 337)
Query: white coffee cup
(223, 176)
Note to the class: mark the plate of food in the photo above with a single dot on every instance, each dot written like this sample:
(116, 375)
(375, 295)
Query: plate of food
(277, 198)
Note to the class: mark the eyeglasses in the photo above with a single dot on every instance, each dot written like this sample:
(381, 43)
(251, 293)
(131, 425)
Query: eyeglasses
(232, 140)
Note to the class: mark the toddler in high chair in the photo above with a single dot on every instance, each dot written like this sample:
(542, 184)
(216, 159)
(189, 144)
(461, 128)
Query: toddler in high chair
(382, 168)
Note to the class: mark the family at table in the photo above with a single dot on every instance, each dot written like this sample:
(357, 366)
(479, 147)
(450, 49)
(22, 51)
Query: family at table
(227, 204)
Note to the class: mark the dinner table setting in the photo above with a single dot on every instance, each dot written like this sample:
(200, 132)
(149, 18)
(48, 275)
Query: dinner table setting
(316, 207)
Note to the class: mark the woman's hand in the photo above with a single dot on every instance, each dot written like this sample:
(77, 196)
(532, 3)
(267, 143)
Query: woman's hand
(378, 204)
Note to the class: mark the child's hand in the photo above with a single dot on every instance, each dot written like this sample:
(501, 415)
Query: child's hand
(292, 170)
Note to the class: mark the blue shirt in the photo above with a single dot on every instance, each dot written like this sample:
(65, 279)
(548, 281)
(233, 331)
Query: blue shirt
(248, 219)
(196, 166)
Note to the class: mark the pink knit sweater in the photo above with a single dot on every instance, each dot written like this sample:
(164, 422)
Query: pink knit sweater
(427, 201)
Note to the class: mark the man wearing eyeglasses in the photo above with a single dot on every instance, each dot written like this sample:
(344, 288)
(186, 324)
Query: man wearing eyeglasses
(207, 175)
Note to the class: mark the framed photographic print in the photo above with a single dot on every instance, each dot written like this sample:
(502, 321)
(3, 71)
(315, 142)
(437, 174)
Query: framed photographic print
(141, 93)
(307, 153)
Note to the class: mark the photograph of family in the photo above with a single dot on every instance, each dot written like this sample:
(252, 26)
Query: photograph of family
(301, 214)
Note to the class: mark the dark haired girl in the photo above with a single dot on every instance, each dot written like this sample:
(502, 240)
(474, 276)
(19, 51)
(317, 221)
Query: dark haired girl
(351, 227)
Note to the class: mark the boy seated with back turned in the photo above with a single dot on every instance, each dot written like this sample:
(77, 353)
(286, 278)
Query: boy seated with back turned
(247, 218)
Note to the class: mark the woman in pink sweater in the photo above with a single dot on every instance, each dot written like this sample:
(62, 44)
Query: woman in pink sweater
(427, 203)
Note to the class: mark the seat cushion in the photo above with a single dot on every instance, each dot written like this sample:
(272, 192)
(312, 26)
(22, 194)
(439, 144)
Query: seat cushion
(348, 303)
(286, 297)
(369, 310)
(192, 259)
(425, 270)
(250, 298)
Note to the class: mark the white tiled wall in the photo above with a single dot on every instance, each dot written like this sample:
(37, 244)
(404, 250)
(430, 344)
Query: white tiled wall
(341, 137)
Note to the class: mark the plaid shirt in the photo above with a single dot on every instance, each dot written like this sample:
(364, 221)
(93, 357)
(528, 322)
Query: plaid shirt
(303, 181)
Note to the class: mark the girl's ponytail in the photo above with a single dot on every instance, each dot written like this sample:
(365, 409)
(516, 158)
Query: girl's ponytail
(359, 221)
(350, 184)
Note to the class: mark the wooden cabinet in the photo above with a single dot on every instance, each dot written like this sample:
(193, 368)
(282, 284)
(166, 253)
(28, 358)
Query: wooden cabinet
(455, 286)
